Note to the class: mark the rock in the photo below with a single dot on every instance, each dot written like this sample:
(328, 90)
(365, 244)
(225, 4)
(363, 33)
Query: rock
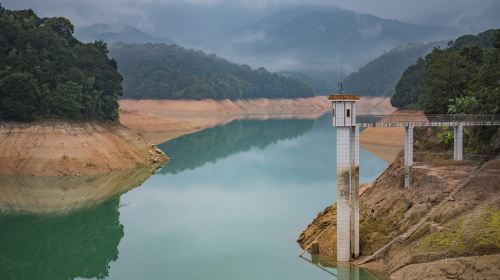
(433, 227)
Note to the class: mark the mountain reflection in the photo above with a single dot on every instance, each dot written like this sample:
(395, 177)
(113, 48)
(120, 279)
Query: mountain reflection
(79, 244)
(197, 149)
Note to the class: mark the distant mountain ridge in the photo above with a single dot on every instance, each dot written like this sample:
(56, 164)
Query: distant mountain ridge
(322, 37)
(113, 33)
(380, 76)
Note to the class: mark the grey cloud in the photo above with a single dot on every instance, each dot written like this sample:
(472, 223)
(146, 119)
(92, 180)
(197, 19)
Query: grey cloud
(452, 12)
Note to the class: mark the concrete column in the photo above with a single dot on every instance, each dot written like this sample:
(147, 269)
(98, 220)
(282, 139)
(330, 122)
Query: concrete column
(343, 190)
(408, 154)
(458, 142)
(355, 191)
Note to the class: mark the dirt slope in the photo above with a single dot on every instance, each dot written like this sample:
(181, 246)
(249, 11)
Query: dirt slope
(53, 148)
(467, 225)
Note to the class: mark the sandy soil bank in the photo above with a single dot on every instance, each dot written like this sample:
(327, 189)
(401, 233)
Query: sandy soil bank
(385, 142)
(56, 148)
(162, 120)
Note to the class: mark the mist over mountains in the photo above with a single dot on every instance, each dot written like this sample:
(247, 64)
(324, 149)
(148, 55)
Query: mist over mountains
(309, 40)
(113, 33)
(287, 39)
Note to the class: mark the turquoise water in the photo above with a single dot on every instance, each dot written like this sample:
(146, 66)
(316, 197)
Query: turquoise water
(229, 205)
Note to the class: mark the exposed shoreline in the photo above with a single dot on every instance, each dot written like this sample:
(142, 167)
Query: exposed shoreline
(163, 120)
(62, 148)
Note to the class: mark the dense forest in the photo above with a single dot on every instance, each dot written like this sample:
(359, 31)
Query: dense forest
(46, 73)
(461, 79)
(380, 76)
(323, 81)
(466, 72)
(160, 71)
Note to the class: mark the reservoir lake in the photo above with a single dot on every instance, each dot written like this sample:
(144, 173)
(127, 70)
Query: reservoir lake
(229, 205)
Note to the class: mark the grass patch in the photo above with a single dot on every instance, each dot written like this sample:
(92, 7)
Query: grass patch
(488, 233)
(447, 240)
(482, 235)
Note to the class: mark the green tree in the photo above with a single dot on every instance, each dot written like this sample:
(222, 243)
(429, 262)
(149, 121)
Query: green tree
(18, 97)
(66, 101)
(62, 26)
(71, 80)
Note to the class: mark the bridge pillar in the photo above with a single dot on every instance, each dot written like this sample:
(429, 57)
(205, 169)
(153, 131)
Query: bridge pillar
(458, 142)
(343, 186)
(355, 191)
(408, 154)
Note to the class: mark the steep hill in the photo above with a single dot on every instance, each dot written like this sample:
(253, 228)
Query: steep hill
(466, 68)
(159, 71)
(46, 73)
(380, 76)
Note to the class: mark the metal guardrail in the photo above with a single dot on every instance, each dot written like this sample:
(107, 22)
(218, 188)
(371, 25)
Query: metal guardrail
(428, 120)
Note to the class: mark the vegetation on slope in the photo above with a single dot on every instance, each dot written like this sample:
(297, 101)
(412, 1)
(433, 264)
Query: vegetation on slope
(380, 76)
(46, 73)
(160, 71)
(462, 78)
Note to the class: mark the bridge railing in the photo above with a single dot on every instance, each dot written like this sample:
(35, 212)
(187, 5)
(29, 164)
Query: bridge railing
(430, 118)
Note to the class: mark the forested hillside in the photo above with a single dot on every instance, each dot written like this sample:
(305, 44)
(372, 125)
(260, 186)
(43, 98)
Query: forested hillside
(46, 73)
(380, 76)
(160, 71)
(462, 78)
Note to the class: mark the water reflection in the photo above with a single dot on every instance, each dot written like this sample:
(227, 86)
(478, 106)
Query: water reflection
(341, 271)
(45, 195)
(80, 244)
(210, 145)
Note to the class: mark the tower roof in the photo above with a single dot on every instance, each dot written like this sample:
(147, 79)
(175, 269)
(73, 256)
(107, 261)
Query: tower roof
(350, 97)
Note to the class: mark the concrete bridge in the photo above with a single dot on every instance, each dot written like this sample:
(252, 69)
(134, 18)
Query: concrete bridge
(345, 120)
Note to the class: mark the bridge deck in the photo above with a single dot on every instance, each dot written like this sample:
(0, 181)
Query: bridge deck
(427, 120)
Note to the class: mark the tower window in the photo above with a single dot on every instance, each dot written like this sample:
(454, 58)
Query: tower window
(348, 113)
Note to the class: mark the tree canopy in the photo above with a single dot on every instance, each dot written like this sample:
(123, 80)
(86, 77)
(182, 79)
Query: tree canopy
(461, 79)
(470, 66)
(160, 71)
(46, 73)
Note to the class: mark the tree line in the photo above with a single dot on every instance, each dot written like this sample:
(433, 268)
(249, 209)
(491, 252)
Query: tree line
(160, 71)
(46, 73)
(468, 69)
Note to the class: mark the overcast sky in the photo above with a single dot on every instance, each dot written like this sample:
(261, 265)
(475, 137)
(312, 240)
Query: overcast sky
(469, 15)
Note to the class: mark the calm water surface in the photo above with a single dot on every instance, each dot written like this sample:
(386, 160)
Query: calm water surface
(229, 205)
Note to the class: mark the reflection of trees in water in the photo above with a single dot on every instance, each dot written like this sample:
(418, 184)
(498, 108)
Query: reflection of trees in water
(210, 145)
(80, 244)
